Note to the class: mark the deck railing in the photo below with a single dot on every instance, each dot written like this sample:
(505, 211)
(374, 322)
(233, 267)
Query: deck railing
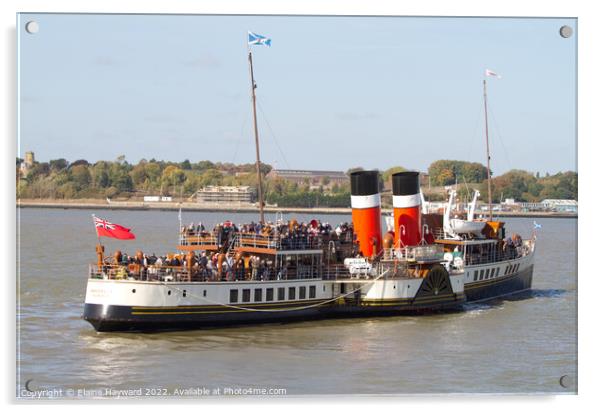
(414, 253)
(198, 239)
(182, 274)
(252, 240)
(493, 256)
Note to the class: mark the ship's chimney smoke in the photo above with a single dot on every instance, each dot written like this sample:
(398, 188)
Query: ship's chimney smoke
(365, 211)
(406, 208)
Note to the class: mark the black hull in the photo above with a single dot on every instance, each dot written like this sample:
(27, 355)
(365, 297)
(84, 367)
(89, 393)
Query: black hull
(149, 319)
(125, 318)
(491, 289)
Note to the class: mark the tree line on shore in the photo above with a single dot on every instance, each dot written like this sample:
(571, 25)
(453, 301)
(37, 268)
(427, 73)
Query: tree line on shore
(60, 179)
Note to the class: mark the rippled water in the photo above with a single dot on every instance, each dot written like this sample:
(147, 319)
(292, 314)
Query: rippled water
(522, 344)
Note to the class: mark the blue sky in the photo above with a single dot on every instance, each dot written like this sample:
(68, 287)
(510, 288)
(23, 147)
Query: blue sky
(334, 92)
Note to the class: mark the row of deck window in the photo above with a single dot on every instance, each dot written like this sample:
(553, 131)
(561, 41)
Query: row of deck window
(259, 293)
(488, 273)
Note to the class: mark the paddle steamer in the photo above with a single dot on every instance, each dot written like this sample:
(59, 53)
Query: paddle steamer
(286, 271)
(302, 276)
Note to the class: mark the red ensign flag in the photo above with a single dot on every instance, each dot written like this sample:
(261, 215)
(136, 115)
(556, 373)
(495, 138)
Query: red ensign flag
(106, 229)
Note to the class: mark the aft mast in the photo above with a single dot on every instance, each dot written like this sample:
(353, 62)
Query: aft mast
(493, 74)
(488, 156)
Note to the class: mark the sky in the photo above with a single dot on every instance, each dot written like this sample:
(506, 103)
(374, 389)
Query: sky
(333, 92)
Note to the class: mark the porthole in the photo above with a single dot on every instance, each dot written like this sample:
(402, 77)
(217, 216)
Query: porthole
(204, 293)
(134, 291)
(184, 293)
(169, 292)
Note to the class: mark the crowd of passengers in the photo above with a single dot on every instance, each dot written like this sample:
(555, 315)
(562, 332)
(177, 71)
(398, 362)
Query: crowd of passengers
(211, 266)
(284, 235)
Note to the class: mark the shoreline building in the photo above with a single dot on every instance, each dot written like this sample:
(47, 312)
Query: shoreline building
(561, 205)
(315, 179)
(231, 195)
(27, 163)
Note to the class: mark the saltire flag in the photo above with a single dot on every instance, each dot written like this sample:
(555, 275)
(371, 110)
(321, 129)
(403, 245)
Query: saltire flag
(536, 225)
(105, 228)
(258, 39)
(492, 73)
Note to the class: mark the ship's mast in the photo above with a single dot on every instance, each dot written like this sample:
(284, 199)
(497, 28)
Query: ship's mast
(257, 161)
(488, 156)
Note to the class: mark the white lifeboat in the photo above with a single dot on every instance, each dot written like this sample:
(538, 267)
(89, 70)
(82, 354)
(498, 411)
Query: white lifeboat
(455, 227)
(462, 226)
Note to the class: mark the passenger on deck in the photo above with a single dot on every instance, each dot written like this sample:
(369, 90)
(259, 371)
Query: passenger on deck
(254, 267)
(509, 247)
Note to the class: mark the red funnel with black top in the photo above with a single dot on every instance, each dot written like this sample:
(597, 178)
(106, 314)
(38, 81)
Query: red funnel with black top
(365, 211)
(406, 208)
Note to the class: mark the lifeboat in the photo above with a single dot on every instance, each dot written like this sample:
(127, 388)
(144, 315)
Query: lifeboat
(462, 226)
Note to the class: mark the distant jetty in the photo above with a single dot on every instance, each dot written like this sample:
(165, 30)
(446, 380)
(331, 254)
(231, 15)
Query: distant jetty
(193, 206)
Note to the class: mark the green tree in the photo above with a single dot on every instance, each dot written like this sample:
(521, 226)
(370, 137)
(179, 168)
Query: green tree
(80, 176)
(119, 176)
(138, 174)
(58, 164)
(186, 165)
(38, 170)
(393, 170)
(100, 174)
(172, 177)
(211, 177)
(446, 172)
(153, 171)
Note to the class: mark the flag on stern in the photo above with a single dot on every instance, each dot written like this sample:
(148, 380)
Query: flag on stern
(492, 73)
(258, 39)
(105, 228)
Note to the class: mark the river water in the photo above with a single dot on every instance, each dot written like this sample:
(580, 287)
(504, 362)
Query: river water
(518, 345)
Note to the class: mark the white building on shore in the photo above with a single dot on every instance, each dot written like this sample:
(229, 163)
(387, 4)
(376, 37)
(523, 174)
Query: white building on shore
(222, 195)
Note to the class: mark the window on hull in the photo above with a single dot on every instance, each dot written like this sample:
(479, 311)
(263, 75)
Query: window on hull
(302, 293)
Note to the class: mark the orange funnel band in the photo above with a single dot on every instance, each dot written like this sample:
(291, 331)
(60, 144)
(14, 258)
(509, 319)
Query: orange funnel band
(367, 227)
(365, 205)
(406, 208)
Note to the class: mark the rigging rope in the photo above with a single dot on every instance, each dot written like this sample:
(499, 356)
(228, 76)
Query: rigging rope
(265, 118)
(474, 133)
(242, 133)
(499, 135)
(280, 309)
